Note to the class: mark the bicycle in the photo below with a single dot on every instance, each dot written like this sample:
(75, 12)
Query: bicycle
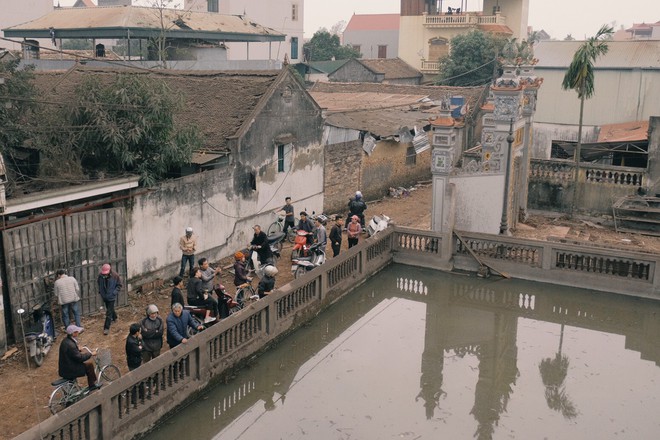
(278, 226)
(67, 392)
(243, 292)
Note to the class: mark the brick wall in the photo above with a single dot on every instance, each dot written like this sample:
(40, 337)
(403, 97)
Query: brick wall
(386, 167)
(342, 175)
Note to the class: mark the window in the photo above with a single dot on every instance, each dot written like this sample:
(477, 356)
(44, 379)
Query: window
(284, 152)
(382, 51)
(357, 48)
(213, 6)
(294, 11)
(294, 48)
(411, 156)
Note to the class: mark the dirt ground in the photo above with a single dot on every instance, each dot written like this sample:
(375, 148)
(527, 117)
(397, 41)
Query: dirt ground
(28, 389)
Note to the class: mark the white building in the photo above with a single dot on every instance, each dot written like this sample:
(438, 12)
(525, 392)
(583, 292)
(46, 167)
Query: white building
(285, 16)
(627, 87)
(374, 35)
(13, 12)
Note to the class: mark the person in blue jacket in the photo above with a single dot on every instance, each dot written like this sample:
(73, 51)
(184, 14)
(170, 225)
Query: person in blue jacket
(178, 323)
(109, 287)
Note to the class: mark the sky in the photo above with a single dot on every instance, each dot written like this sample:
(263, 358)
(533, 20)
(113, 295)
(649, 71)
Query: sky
(558, 18)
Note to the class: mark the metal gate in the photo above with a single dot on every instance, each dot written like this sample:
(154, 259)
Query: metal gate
(80, 243)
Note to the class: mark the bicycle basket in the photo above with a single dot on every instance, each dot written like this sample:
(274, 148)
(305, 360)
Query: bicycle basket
(104, 357)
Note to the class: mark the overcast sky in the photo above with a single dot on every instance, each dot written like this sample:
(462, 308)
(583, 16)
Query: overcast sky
(557, 17)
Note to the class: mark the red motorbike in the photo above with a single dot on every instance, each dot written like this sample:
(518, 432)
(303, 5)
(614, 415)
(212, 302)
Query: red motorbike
(300, 246)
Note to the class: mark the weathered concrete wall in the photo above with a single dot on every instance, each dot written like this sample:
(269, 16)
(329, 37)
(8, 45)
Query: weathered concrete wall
(551, 186)
(221, 205)
(343, 156)
(404, 81)
(653, 183)
(386, 167)
(545, 133)
(479, 202)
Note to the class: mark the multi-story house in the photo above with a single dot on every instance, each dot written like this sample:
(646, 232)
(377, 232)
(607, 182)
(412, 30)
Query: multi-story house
(285, 16)
(427, 26)
(17, 12)
(374, 35)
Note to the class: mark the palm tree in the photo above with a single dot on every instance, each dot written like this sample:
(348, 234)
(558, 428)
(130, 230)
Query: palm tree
(580, 77)
(553, 374)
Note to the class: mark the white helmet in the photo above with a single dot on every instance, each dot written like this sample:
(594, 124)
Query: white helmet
(271, 271)
(152, 309)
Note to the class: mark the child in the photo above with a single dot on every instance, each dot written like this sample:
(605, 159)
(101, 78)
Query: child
(134, 347)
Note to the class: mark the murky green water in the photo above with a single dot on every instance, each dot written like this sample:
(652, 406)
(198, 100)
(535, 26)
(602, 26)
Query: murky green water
(417, 354)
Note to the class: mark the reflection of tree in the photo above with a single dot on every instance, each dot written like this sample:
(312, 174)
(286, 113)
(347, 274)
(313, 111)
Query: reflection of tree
(553, 374)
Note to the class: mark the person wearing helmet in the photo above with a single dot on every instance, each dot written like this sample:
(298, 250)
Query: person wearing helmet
(267, 283)
(188, 245)
(357, 206)
(152, 329)
(353, 230)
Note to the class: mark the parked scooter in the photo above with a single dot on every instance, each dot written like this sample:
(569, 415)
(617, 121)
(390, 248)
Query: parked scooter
(300, 246)
(40, 341)
(314, 258)
(378, 223)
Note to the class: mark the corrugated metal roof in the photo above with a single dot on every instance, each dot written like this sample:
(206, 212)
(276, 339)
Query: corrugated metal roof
(624, 132)
(334, 101)
(114, 22)
(373, 22)
(621, 54)
(382, 123)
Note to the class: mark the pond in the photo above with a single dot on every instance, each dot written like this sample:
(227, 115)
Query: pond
(419, 354)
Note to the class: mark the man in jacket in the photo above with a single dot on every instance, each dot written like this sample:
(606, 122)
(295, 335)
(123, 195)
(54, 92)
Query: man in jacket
(306, 225)
(152, 334)
(260, 245)
(74, 363)
(357, 206)
(67, 292)
(178, 323)
(109, 287)
(133, 347)
(188, 245)
(336, 236)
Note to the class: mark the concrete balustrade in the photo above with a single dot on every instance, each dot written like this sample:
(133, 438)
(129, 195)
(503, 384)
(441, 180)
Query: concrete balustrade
(135, 402)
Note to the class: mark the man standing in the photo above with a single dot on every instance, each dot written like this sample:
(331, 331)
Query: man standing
(260, 244)
(320, 234)
(357, 207)
(177, 293)
(133, 347)
(152, 330)
(336, 236)
(109, 287)
(74, 363)
(67, 291)
(289, 219)
(178, 323)
(188, 245)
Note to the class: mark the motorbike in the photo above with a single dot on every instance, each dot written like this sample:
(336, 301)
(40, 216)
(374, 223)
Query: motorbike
(378, 223)
(275, 242)
(300, 246)
(40, 341)
(315, 257)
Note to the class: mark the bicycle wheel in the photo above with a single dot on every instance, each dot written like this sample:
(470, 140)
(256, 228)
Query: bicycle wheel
(274, 227)
(109, 374)
(59, 398)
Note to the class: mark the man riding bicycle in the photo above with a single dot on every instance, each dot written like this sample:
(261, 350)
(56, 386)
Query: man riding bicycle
(73, 363)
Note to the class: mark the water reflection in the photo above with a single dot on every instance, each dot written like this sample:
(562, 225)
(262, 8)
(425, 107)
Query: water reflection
(469, 326)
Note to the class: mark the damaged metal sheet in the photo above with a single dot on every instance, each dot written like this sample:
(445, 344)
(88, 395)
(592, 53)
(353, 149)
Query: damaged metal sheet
(369, 144)
(420, 141)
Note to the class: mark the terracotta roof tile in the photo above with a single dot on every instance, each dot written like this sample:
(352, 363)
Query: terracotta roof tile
(496, 29)
(373, 22)
(392, 68)
(218, 103)
(624, 132)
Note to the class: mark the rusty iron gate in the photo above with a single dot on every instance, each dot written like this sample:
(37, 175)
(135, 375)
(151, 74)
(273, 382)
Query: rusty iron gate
(80, 243)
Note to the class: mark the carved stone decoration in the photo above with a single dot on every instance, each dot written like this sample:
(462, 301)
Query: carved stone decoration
(441, 161)
(487, 138)
(507, 107)
(529, 101)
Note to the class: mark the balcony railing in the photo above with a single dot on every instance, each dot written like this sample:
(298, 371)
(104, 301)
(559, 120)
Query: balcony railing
(430, 67)
(462, 20)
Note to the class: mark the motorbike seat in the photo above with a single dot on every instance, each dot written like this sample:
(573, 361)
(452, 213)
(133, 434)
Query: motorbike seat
(275, 237)
(61, 381)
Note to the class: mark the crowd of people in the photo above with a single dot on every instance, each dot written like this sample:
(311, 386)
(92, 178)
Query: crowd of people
(145, 338)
